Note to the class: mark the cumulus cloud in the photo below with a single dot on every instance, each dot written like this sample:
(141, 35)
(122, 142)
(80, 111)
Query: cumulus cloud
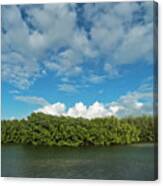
(56, 109)
(133, 103)
(78, 110)
(98, 109)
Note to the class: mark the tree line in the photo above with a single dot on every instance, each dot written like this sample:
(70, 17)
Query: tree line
(43, 129)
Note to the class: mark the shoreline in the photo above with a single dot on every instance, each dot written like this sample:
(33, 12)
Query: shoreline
(91, 146)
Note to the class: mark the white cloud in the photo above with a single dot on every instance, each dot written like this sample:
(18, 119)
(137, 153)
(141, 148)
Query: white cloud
(78, 110)
(82, 45)
(54, 28)
(37, 41)
(67, 88)
(56, 22)
(97, 110)
(55, 42)
(19, 70)
(16, 36)
(135, 103)
(137, 44)
(57, 109)
(32, 100)
(122, 107)
(106, 39)
(122, 32)
(66, 63)
(94, 78)
(115, 108)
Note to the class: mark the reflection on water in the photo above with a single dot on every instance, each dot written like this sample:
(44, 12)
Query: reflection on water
(116, 162)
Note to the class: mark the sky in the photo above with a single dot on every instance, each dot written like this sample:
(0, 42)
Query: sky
(81, 60)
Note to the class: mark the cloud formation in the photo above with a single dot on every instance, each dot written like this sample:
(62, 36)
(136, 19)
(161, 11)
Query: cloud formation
(123, 107)
(133, 103)
(41, 38)
(78, 110)
(56, 109)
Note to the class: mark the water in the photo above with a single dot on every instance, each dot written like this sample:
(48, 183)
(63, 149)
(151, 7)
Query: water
(133, 162)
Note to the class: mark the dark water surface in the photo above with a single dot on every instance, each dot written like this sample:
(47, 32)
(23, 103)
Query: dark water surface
(115, 162)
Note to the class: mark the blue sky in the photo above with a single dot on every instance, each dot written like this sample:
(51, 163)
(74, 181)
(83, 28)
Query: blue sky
(88, 60)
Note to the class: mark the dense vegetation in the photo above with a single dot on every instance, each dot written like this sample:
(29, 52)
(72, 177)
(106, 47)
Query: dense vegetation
(42, 129)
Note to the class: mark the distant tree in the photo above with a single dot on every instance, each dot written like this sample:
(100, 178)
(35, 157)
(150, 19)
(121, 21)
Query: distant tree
(43, 129)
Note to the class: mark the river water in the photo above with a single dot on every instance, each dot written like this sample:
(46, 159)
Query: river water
(129, 162)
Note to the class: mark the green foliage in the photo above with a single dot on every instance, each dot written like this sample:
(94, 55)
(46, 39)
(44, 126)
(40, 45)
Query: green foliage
(42, 129)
